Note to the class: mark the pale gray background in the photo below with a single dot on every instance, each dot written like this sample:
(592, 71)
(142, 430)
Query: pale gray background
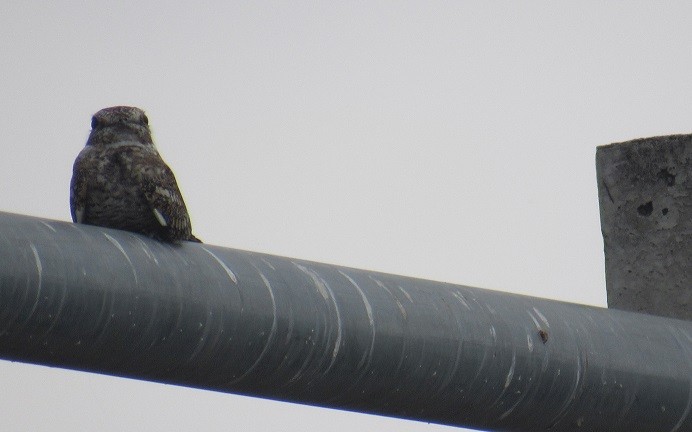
(445, 140)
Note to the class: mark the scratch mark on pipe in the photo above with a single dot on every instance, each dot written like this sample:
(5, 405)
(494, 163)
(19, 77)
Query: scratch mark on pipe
(577, 379)
(543, 318)
(510, 374)
(272, 332)
(460, 342)
(203, 337)
(145, 248)
(403, 354)
(48, 226)
(368, 309)
(507, 382)
(122, 251)
(460, 298)
(268, 264)
(39, 266)
(688, 408)
(39, 271)
(289, 329)
(529, 342)
(324, 289)
(572, 395)
(685, 413)
(408, 296)
(396, 299)
(228, 271)
(508, 379)
(319, 283)
(533, 318)
(514, 405)
(455, 366)
(105, 316)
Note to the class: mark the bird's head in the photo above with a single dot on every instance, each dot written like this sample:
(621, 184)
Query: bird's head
(120, 124)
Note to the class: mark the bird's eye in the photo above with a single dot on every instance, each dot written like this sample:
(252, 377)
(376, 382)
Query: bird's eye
(145, 119)
(94, 122)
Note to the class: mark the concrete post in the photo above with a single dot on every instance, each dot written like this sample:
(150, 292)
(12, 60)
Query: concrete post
(645, 195)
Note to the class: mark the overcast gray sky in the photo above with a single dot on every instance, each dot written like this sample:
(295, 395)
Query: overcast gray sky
(452, 140)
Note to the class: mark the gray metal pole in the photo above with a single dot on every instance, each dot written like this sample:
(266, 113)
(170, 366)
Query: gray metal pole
(203, 316)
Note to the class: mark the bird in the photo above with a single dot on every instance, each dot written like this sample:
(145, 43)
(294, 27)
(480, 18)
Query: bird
(120, 181)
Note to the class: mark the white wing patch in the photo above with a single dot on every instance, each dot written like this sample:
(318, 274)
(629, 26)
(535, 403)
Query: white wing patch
(160, 218)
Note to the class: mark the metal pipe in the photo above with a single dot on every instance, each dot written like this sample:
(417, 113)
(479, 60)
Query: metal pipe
(113, 302)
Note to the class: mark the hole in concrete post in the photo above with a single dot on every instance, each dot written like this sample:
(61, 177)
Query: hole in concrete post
(664, 211)
(646, 209)
(667, 177)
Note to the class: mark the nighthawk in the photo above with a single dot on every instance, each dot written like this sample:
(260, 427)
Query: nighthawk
(120, 181)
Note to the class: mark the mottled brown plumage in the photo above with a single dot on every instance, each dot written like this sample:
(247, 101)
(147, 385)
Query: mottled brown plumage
(120, 181)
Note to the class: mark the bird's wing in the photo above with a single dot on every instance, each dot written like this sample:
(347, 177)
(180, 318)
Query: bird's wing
(160, 189)
(79, 185)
